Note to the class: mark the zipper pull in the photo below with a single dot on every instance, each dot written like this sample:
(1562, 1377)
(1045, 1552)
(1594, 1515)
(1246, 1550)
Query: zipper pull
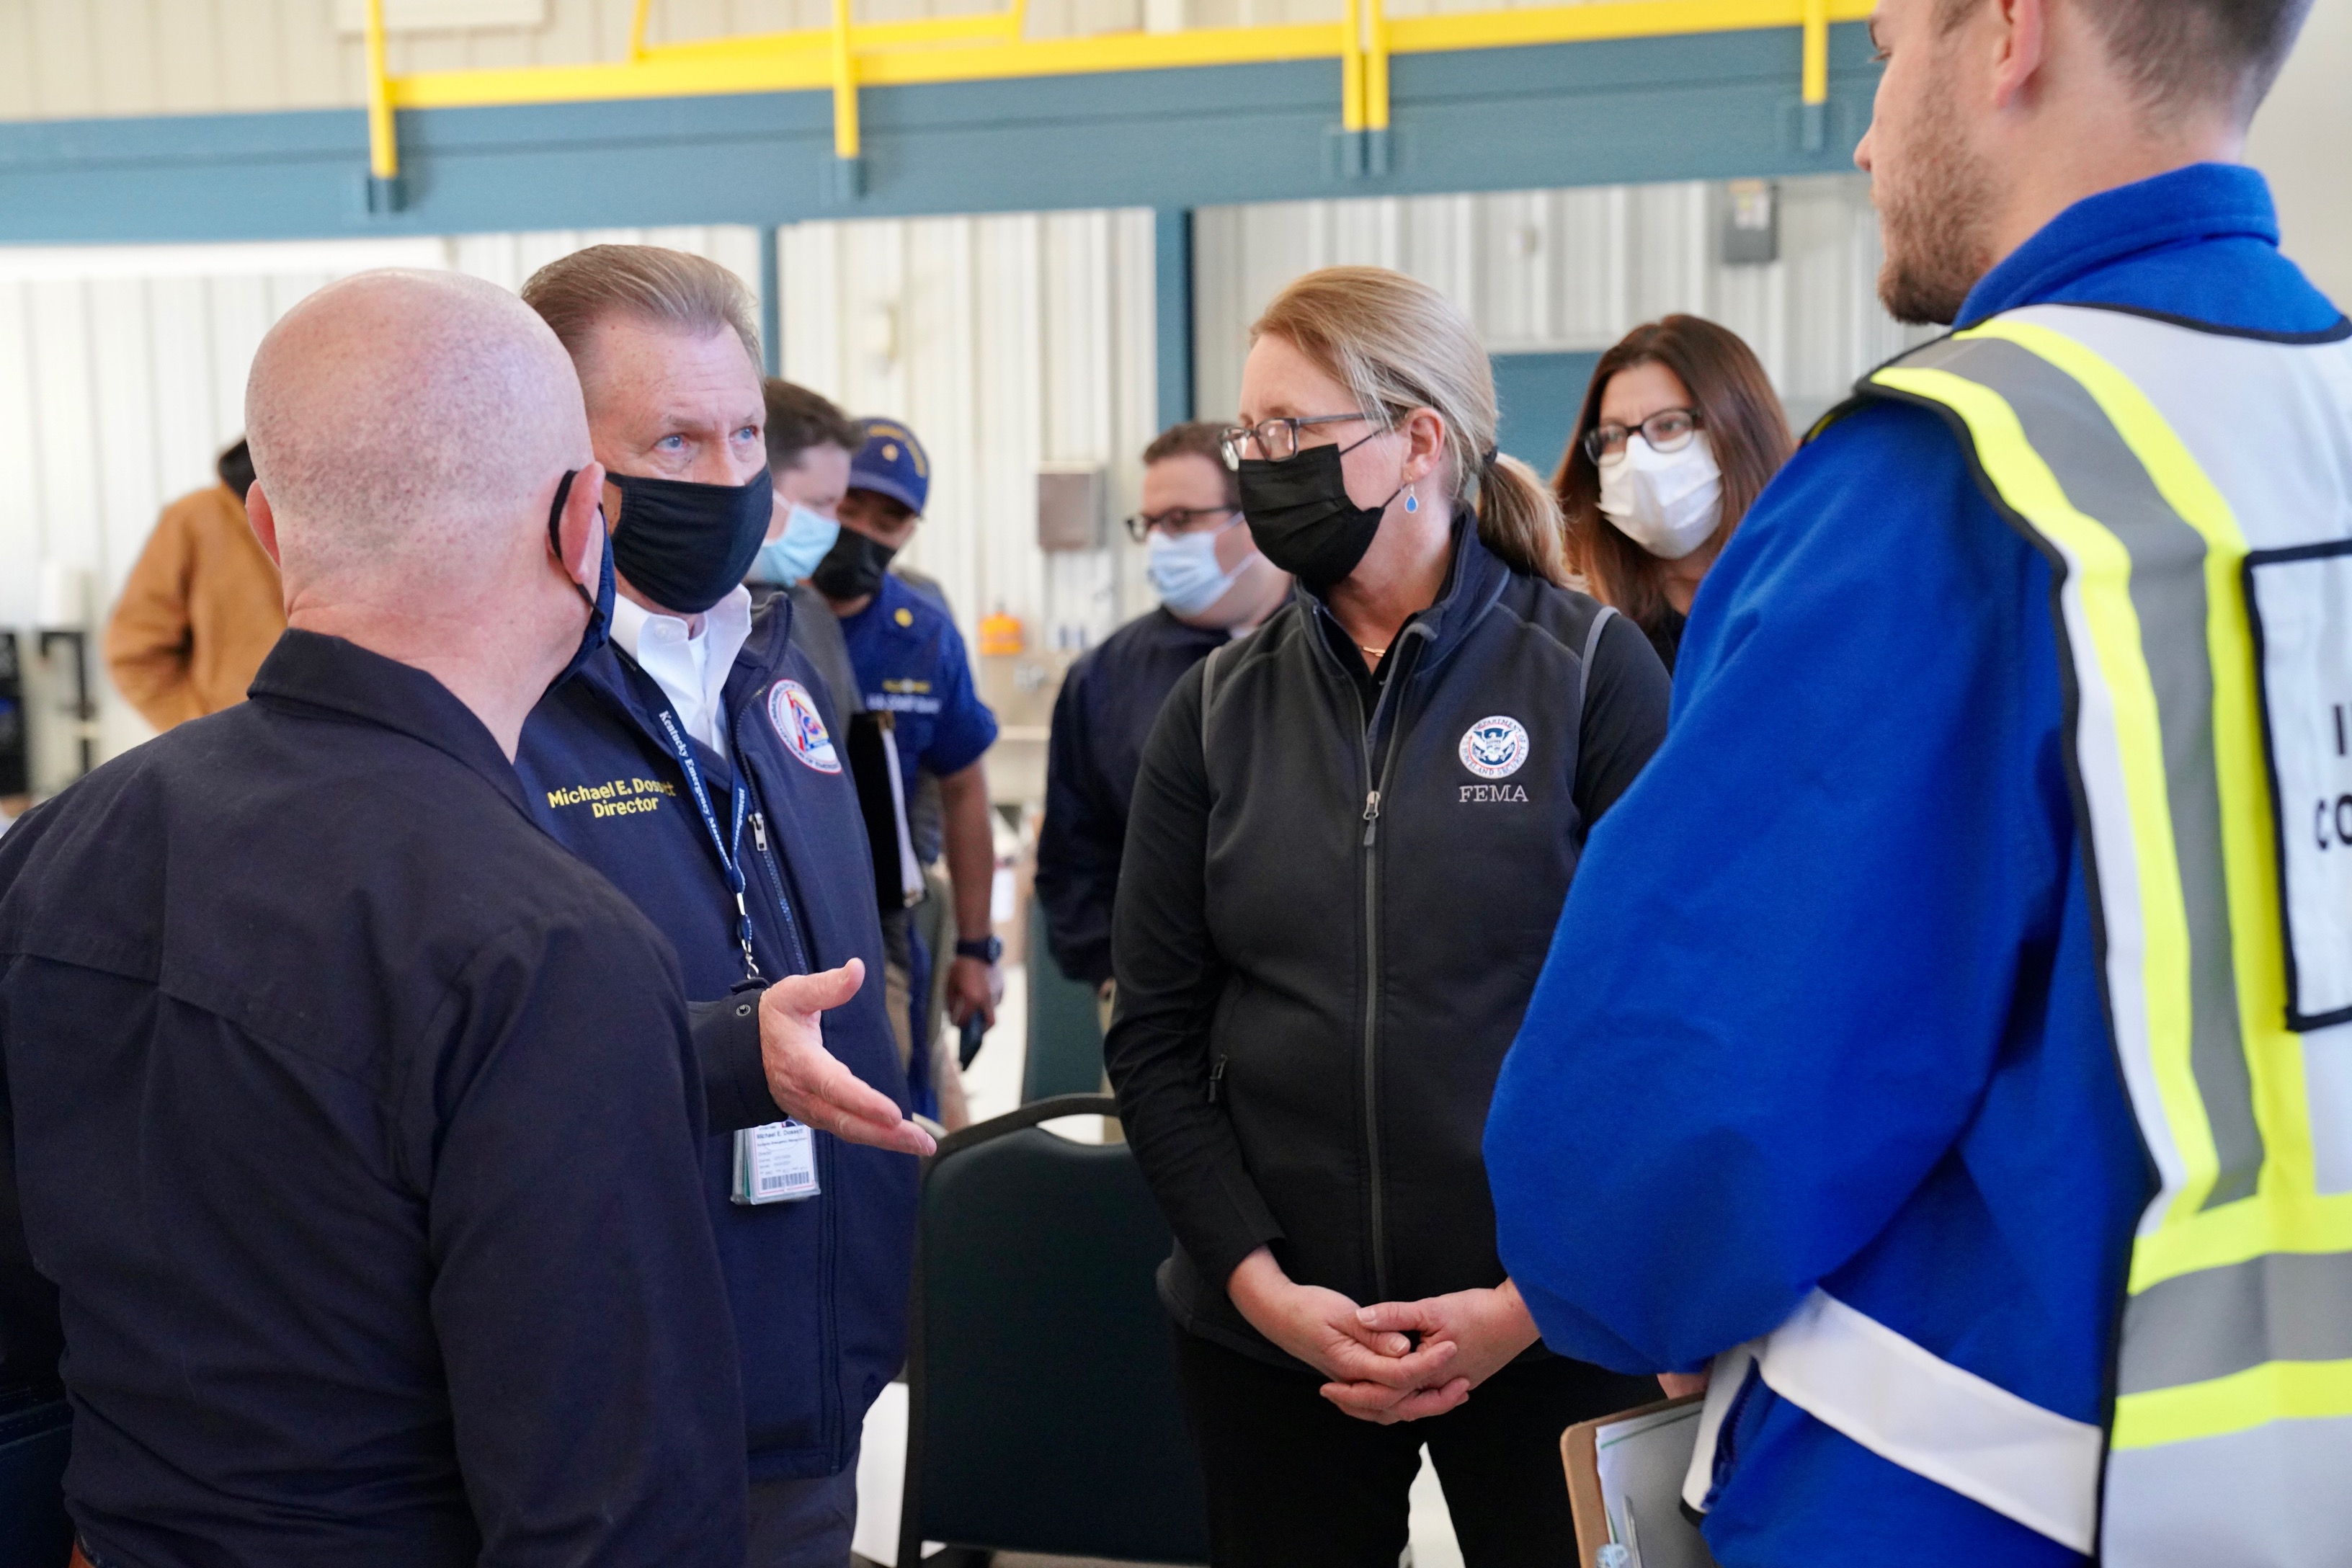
(760, 832)
(1372, 817)
(1217, 1080)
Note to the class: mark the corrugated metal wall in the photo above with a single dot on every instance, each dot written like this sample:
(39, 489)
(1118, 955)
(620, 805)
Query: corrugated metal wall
(1573, 271)
(1007, 343)
(122, 376)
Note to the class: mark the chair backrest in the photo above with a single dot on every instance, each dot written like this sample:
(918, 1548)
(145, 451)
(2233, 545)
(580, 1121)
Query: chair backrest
(1042, 1411)
(1065, 1041)
(35, 1434)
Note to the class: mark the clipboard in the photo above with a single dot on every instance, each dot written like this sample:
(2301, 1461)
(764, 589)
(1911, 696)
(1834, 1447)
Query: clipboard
(1624, 1481)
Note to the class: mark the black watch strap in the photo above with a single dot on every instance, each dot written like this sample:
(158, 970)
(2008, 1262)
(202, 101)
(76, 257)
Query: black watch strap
(987, 949)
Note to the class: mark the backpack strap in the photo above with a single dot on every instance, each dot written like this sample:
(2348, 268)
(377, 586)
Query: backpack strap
(1584, 671)
(1209, 690)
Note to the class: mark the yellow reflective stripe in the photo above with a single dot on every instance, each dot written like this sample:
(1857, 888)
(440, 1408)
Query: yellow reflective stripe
(2275, 1391)
(2101, 569)
(2273, 1052)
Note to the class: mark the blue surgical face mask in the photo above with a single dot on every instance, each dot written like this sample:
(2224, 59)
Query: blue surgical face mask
(1183, 571)
(794, 554)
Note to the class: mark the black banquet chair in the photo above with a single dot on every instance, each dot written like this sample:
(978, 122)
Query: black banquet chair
(1043, 1414)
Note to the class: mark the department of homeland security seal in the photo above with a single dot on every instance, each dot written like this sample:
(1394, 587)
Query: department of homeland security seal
(793, 713)
(1495, 748)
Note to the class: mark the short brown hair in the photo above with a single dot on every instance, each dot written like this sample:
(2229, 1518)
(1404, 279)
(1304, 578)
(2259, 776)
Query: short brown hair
(2185, 53)
(668, 288)
(1746, 431)
(1195, 438)
(799, 419)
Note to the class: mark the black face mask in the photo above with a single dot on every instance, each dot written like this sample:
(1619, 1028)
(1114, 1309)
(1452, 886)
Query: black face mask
(1300, 515)
(600, 607)
(853, 568)
(685, 545)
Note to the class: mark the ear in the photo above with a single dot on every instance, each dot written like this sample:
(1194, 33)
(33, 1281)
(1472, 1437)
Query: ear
(1424, 434)
(2024, 32)
(264, 523)
(581, 527)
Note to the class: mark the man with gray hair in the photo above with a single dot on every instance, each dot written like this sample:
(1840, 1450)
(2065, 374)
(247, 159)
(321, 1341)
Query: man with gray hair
(348, 1131)
(699, 761)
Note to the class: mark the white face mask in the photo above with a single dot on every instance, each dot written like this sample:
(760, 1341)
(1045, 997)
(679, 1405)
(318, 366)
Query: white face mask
(1183, 570)
(1668, 502)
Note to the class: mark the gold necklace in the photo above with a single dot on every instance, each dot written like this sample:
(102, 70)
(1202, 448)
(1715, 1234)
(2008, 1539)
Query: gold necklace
(1375, 652)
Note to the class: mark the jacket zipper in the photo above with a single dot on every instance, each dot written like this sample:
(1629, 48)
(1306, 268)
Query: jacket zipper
(1374, 788)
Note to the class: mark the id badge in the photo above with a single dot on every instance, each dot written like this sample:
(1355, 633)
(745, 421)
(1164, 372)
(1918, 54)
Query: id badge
(774, 1164)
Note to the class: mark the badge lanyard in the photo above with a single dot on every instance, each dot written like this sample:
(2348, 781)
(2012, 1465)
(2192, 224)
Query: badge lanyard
(729, 846)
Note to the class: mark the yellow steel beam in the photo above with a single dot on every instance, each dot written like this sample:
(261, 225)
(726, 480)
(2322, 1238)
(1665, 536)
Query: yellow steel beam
(1351, 68)
(1817, 51)
(637, 29)
(383, 147)
(845, 85)
(1610, 19)
(945, 50)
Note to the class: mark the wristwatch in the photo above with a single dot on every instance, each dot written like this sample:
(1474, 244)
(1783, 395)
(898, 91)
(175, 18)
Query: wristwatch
(987, 949)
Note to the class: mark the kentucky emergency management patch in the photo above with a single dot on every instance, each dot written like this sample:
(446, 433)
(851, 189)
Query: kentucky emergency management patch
(793, 713)
(1495, 747)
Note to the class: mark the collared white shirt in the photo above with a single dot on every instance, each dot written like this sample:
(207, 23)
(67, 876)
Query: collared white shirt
(691, 669)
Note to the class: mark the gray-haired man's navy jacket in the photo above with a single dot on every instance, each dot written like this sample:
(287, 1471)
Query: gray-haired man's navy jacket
(818, 1287)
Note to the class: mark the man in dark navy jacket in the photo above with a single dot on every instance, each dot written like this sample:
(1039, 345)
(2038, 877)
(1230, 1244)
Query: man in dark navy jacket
(698, 764)
(1213, 585)
(349, 1128)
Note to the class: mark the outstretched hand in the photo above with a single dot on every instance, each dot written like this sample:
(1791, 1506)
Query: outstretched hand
(809, 1083)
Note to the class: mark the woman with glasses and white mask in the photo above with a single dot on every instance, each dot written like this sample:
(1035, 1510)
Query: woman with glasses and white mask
(1349, 844)
(1212, 586)
(1679, 432)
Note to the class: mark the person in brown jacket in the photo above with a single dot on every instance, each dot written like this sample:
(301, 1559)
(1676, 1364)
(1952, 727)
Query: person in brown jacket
(202, 607)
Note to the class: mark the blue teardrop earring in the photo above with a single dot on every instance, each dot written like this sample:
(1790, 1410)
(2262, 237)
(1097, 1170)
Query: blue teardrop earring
(1412, 501)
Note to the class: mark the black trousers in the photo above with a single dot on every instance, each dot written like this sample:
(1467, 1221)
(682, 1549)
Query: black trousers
(1295, 1482)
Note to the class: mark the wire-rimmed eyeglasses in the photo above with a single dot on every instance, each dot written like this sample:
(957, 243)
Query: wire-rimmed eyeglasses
(1180, 520)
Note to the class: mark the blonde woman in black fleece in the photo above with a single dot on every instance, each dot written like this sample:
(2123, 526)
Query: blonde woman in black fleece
(1348, 844)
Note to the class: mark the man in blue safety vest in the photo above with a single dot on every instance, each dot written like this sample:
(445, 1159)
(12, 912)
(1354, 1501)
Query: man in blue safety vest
(1950, 1038)
(695, 763)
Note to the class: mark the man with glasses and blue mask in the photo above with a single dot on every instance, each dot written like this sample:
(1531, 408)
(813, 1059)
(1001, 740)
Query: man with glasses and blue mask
(810, 443)
(1214, 586)
(696, 763)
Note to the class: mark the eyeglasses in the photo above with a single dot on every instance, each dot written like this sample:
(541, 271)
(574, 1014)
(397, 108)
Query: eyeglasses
(1277, 440)
(1179, 519)
(1667, 430)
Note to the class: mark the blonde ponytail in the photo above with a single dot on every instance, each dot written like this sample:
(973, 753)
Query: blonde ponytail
(1518, 520)
(1399, 345)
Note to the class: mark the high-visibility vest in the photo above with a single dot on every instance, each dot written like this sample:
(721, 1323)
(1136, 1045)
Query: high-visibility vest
(2191, 489)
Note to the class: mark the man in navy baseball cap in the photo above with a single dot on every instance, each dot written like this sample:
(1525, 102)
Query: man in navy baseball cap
(910, 664)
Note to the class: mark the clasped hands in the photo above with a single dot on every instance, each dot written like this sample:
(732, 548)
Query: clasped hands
(1377, 1372)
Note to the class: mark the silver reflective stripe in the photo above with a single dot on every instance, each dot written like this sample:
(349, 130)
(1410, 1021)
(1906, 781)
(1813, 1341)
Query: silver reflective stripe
(2283, 1306)
(2271, 1497)
(2105, 480)
(1910, 1406)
